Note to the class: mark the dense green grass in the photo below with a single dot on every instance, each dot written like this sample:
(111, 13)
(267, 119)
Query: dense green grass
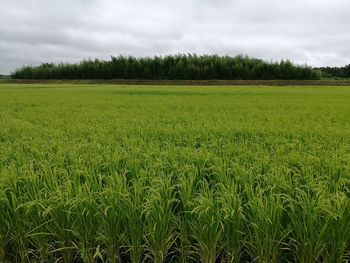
(174, 174)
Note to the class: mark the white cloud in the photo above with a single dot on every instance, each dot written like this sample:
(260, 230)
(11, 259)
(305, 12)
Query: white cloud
(306, 31)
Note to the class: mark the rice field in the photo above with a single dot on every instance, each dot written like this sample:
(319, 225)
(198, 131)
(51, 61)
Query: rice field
(113, 173)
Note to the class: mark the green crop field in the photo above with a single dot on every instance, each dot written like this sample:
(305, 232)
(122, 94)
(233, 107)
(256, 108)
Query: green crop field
(112, 173)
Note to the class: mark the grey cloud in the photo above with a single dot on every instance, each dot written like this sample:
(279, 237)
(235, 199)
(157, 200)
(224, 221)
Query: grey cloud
(305, 31)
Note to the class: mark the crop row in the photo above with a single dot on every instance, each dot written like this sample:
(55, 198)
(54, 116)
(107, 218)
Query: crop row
(206, 211)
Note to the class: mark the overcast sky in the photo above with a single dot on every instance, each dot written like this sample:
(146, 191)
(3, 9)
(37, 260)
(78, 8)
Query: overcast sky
(316, 32)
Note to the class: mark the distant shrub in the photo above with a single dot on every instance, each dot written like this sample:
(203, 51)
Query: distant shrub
(172, 67)
(335, 72)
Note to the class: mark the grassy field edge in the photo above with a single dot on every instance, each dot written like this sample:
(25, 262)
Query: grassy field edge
(345, 82)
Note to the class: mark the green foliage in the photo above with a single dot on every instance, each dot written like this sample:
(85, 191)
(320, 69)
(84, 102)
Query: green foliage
(114, 173)
(335, 72)
(177, 67)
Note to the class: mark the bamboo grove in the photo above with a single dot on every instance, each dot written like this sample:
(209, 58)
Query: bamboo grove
(174, 174)
(177, 67)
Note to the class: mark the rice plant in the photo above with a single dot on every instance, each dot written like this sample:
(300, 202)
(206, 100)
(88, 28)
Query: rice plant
(158, 218)
(231, 210)
(159, 174)
(206, 226)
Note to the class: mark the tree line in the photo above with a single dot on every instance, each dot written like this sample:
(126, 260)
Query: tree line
(335, 72)
(171, 67)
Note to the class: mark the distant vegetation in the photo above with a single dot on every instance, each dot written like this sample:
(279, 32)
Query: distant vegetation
(173, 67)
(335, 72)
